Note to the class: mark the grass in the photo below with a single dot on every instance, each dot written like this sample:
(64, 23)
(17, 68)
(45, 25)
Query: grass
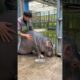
(44, 25)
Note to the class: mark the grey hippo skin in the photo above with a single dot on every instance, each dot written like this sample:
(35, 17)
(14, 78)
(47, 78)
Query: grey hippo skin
(39, 43)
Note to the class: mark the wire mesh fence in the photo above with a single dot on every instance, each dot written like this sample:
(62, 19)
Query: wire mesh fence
(45, 22)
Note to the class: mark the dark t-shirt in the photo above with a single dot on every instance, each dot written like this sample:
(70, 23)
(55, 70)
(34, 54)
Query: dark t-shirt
(8, 51)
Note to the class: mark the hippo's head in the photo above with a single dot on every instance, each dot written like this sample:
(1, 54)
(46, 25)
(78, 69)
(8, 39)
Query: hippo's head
(49, 48)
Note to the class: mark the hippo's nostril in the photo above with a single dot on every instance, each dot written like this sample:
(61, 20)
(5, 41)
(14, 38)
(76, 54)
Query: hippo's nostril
(49, 54)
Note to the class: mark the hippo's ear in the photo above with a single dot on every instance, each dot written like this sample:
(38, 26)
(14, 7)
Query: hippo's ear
(49, 44)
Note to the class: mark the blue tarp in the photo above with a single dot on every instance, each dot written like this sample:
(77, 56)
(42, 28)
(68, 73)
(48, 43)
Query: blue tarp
(26, 6)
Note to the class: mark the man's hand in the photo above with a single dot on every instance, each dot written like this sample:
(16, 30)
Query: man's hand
(5, 31)
(28, 36)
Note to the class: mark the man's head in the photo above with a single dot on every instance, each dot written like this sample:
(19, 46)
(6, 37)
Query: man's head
(27, 15)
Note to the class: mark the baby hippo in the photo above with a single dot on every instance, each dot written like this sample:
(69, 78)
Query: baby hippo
(39, 43)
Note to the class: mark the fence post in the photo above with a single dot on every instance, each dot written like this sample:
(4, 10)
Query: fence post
(20, 7)
(59, 28)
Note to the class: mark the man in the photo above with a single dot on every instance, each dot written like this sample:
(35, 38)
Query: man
(24, 25)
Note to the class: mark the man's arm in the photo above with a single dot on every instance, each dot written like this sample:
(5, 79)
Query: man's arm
(27, 36)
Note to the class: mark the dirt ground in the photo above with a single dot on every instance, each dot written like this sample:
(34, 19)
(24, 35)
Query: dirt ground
(28, 69)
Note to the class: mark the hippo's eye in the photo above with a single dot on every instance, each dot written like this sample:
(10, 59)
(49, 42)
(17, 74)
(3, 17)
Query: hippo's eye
(48, 44)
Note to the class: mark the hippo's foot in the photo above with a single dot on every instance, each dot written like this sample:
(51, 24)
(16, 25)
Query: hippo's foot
(49, 54)
(40, 59)
(40, 56)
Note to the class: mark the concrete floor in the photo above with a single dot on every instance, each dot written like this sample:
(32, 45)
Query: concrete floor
(28, 69)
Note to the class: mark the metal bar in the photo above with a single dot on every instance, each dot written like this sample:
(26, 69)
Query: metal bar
(59, 28)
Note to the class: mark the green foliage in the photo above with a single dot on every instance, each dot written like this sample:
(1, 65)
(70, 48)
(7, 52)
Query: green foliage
(52, 24)
(50, 34)
(44, 25)
(45, 21)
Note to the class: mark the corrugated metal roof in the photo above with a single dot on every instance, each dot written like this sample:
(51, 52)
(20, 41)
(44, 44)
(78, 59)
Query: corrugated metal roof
(37, 7)
(47, 2)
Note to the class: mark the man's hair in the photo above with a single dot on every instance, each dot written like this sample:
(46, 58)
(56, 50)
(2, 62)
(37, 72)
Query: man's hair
(28, 14)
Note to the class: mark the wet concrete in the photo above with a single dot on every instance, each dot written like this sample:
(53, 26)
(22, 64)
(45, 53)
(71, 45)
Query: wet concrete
(28, 69)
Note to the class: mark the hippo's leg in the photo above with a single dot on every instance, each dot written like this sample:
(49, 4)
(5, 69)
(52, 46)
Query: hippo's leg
(39, 53)
(37, 49)
(40, 56)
